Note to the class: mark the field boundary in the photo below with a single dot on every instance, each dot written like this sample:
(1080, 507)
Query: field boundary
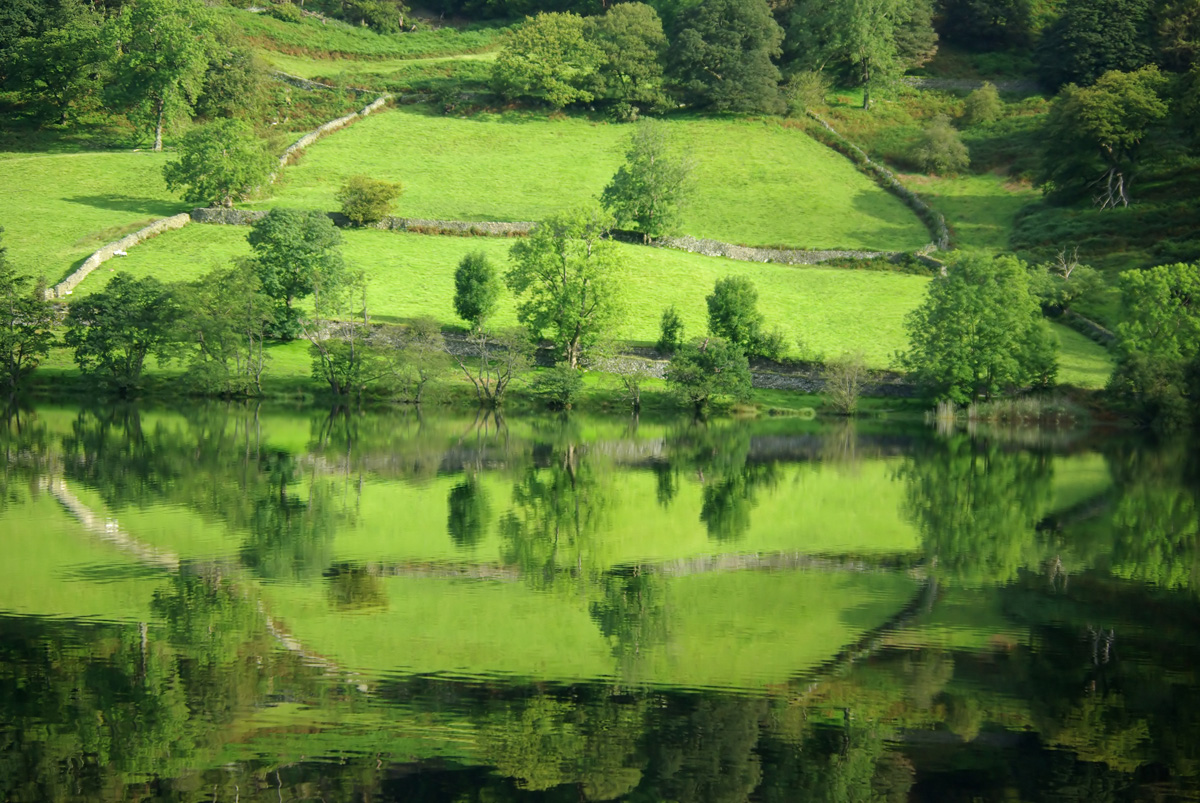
(118, 247)
(934, 220)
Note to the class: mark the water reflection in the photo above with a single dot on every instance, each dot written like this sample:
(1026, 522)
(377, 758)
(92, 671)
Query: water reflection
(226, 603)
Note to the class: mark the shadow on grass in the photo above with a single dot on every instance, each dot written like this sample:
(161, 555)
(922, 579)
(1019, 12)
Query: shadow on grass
(128, 203)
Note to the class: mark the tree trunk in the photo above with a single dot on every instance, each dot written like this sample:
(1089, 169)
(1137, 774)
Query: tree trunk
(158, 126)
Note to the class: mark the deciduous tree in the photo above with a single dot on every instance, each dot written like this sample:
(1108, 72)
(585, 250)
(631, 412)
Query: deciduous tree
(722, 55)
(653, 185)
(548, 56)
(164, 47)
(703, 372)
(631, 38)
(733, 315)
(115, 330)
(979, 332)
(1093, 37)
(26, 324)
(1093, 135)
(566, 276)
(296, 253)
(219, 163)
(367, 200)
(476, 289)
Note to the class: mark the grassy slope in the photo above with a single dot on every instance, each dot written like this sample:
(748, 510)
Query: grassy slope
(308, 67)
(413, 275)
(56, 209)
(758, 182)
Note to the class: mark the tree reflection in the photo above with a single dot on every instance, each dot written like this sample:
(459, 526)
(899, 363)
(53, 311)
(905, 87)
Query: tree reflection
(470, 513)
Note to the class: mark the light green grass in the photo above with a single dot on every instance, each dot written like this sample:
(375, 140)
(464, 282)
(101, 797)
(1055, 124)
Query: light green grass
(413, 275)
(757, 182)
(57, 209)
(1082, 362)
(980, 209)
(307, 67)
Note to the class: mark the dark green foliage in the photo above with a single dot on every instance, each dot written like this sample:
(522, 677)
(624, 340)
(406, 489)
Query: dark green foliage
(60, 70)
(721, 56)
(651, 188)
(916, 40)
(476, 289)
(701, 373)
(940, 149)
(1177, 29)
(115, 330)
(469, 513)
(225, 320)
(296, 253)
(1158, 343)
(1093, 136)
(979, 332)
(670, 329)
(236, 81)
(385, 16)
(733, 315)
(1092, 37)
(26, 324)
(367, 200)
(631, 38)
(987, 24)
(219, 163)
(558, 386)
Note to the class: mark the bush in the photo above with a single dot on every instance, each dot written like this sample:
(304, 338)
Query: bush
(670, 329)
(940, 150)
(845, 378)
(983, 105)
(805, 90)
(366, 200)
(286, 12)
(559, 386)
(700, 374)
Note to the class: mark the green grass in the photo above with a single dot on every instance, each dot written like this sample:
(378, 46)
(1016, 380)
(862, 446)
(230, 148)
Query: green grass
(758, 182)
(411, 275)
(340, 39)
(308, 67)
(57, 209)
(980, 209)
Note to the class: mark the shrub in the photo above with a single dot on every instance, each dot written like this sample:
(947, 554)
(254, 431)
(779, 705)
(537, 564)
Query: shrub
(670, 329)
(983, 105)
(940, 150)
(367, 200)
(845, 378)
(559, 386)
(285, 12)
(715, 369)
(805, 90)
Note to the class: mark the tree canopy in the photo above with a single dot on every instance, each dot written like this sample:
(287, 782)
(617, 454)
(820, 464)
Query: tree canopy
(219, 163)
(566, 276)
(296, 253)
(651, 188)
(722, 55)
(979, 332)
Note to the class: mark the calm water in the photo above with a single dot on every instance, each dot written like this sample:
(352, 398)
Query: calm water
(231, 604)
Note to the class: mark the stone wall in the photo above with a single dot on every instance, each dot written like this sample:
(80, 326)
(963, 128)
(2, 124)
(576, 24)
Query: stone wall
(716, 248)
(67, 285)
(227, 217)
(475, 228)
(968, 84)
(299, 145)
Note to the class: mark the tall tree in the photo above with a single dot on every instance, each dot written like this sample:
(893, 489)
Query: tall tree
(164, 47)
(1177, 26)
(979, 332)
(296, 253)
(548, 56)
(630, 35)
(1092, 37)
(115, 330)
(733, 315)
(60, 69)
(861, 34)
(566, 276)
(26, 323)
(651, 188)
(1158, 342)
(722, 55)
(476, 289)
(219, 163)
(1093, 135)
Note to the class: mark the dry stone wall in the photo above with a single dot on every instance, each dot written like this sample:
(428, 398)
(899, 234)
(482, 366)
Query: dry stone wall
(67, 285)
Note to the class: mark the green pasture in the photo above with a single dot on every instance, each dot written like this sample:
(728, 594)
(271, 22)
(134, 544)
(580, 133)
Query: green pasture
(981, 209)
(832, 311)
(308, 67)
(757, 182)
(56, 209)
(335, 39)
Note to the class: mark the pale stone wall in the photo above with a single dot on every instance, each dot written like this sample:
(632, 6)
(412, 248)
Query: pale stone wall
(106, 253)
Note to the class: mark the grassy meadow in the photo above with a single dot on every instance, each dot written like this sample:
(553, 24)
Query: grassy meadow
(757, 181)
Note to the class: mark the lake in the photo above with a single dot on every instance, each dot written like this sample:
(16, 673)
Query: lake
(243, 603)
